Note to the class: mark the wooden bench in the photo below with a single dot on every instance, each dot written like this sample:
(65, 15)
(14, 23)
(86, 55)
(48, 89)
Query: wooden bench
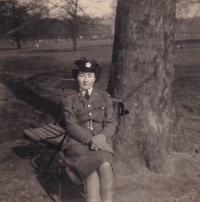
(56, 135)
(50, 133)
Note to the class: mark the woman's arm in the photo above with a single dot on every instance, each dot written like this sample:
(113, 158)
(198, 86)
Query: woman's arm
(109, 125)
(72, 124)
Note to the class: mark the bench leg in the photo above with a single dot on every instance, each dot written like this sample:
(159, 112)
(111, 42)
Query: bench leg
(59, 186)
(37, 151)
(53, 156)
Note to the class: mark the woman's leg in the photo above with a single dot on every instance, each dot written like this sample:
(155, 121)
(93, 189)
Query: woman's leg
(93, 188)
(106, 182)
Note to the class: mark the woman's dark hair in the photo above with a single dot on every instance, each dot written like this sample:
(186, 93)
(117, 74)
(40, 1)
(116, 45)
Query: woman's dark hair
(86, 65)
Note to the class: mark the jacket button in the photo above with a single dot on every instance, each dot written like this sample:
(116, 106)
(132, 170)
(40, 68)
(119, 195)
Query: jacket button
(89, 105)
(90, 113)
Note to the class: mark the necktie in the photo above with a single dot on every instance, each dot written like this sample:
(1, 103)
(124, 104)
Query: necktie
(87, 95)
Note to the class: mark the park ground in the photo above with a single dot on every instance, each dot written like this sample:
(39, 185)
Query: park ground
(29, 98)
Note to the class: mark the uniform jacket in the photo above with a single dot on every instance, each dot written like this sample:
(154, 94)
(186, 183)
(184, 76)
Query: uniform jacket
(86, 118)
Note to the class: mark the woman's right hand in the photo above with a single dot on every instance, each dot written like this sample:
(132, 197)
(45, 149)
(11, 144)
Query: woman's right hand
(98, 141)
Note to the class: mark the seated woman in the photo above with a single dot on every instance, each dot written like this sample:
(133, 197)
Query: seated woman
(90, 122)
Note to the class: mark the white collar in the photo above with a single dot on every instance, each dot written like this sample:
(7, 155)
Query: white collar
(89, 91)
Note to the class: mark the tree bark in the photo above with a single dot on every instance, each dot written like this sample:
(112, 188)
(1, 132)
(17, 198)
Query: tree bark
(74, 31)
(16, 24)
(74, 39)
(141, 75)
(18, 40)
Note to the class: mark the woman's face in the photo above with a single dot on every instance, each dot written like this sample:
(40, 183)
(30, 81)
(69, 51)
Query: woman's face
(86, 80)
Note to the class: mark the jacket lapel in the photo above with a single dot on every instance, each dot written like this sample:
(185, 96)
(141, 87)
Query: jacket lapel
(94, 95)
(81, 97)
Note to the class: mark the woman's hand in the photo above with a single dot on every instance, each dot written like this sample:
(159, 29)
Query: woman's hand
(98, 141)
(107, 147)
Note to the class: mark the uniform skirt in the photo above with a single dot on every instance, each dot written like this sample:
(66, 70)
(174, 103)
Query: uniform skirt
(84, 161)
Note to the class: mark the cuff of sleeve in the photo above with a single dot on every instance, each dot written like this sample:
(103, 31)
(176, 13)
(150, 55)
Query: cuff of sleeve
(104, 135)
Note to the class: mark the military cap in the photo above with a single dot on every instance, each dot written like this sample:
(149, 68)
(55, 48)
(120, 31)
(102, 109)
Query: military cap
(86, 65)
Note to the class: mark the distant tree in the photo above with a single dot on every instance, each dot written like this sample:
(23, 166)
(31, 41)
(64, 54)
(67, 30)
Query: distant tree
(54, 28)
(188, 27)
(90, 27)
(16, 16)
(183, 8)
(5, 18)
(19, 17)
(71, 12)
(33, 30)
(187, 22)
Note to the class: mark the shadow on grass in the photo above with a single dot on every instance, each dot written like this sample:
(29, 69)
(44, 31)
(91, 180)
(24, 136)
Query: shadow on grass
(54, 181)
(32, 98)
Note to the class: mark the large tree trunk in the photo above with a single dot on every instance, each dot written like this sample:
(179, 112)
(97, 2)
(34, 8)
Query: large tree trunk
(141, 75)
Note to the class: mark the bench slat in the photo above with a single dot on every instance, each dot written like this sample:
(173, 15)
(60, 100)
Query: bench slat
(42, 134)
(47, 133)
(57, 128)
(34, 130)
(32, 135)
(53, 131)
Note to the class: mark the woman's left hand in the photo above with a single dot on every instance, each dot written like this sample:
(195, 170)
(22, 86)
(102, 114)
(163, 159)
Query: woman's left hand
(107, 147)
(98, 141)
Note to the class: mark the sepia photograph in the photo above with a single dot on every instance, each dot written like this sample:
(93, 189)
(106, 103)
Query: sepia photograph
(99, 101)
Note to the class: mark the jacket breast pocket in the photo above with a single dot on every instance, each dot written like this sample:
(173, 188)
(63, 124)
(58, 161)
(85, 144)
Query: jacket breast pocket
(78, 110)
(99, 109)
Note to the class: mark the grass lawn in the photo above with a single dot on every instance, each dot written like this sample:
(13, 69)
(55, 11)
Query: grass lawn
(28, 98)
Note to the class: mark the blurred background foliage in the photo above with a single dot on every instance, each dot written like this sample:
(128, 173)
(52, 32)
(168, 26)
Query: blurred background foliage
(33, 22)
(23, 21)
